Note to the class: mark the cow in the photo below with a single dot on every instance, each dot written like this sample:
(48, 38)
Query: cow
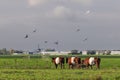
(73, 62)
(57, 61)
(90, 61)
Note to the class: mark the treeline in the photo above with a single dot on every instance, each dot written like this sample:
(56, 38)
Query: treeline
(4, 51)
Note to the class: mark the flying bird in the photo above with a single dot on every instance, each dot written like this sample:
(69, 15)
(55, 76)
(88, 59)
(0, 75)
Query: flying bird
(34, 30)
(56, 43)
(77, 30)
(45, 41)
(26, 36)
(85, 39)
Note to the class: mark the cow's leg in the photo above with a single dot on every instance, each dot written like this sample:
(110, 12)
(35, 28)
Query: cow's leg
(98, 65)
(91, 66)
(87, 66)
(63, 66)
(56, 65)
(70, 66)
(78, 66)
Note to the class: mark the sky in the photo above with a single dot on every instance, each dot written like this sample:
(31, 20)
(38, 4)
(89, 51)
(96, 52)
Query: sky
(74, 24)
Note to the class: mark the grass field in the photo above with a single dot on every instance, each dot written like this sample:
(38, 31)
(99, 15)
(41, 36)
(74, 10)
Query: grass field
(41, 68)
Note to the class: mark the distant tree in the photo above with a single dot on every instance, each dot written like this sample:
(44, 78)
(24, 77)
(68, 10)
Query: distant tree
(107, 52)
(74, 51)
(1, 52)
(91, 52)
(11, 51)
(50, 50)
(80, 53)
(4, 52)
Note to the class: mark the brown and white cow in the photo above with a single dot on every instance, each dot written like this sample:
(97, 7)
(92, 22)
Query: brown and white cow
(57, 61)
(73, 62)
(90, 61)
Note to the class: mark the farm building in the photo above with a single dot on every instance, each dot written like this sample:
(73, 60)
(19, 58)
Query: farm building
(84, 52)
(54, 53)
(115, 52)
(64, 52)
(22, 52)
(103, 52)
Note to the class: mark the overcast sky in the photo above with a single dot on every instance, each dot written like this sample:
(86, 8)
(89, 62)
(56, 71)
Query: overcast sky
(75, 24)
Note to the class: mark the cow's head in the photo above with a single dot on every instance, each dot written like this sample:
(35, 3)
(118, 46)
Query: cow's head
(53, 59)
(77, 60)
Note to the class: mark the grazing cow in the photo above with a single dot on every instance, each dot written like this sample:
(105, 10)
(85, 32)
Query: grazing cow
(90, 61)
(57, 61)
(73, 61)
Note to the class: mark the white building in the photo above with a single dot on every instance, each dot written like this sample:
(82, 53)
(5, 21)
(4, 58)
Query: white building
(115, 52)
(100, 52)
(54, 53)
(84, 52)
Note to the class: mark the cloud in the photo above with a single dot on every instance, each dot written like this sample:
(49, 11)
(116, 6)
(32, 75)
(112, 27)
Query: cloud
(39, 2)
(84, 2)
(36, 2)
(68, 14)
(87, 12)
(62, 12)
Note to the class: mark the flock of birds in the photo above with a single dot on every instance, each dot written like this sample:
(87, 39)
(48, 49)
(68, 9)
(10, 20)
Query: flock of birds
(56, 43)
(26, 36)
(86, 13)
(34, 31)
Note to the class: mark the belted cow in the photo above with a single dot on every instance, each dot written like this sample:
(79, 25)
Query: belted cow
(90, 61)
(58, 61)
(73, 62)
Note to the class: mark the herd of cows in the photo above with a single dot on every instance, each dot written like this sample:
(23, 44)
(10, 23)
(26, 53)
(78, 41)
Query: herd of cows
(76, 62)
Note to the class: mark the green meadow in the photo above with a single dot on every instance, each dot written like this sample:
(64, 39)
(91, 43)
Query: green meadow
(41, 68)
